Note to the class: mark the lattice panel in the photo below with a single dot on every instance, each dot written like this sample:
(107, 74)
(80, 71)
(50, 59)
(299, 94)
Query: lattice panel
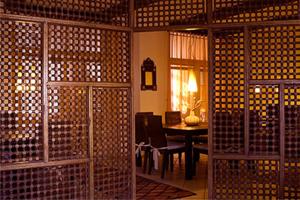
(1, 6)
(240, 11)
(169, 12)
(292, 142)
(21, 92)
(246, 179)
(68, 122)
(114, 12)
(112, 143)
(59, 182)
(275, 52)
(292, 121)
(88, 55)
(264, 119)
(292, 179)
(228, 101)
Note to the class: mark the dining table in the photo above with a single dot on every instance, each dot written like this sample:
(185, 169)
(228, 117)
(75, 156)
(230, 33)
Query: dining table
(188, 132)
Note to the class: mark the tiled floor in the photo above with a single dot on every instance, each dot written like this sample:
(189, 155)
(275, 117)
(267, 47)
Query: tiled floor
(176, 178)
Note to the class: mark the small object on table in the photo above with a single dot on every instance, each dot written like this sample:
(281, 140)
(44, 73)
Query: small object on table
(192, 119)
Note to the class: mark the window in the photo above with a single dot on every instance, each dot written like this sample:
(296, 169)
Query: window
(188, 54)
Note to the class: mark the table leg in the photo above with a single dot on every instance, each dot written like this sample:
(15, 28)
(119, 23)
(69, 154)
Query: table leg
(188, 157)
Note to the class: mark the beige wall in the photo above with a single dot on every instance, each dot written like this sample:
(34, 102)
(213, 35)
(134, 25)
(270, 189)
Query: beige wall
(154, 45)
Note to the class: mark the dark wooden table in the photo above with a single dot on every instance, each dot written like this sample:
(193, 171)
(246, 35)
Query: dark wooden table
(188, 132)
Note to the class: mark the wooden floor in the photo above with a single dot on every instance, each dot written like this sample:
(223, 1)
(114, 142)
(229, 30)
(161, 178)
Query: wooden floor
(176, 178)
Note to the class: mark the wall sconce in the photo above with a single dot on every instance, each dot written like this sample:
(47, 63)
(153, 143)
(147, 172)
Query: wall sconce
(148, 75)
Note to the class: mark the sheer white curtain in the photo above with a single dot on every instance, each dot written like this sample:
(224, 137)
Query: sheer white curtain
(188, 46)
(188, 52)
(179, 88)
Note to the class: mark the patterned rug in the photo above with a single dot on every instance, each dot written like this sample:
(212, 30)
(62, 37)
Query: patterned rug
(149, 189)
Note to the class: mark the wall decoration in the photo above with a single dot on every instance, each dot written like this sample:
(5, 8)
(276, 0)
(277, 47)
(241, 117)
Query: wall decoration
(148, 73)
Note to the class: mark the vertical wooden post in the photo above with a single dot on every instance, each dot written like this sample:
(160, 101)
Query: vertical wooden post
(210, 99)
(133, 78)
(282, 141)
(246, 88)
(209, 10)
(91, 143)
(210, 117)
(45, 92)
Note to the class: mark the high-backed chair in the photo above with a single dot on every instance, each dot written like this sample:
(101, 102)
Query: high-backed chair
(159, 142)
(173, 118)
(141, 137)
(140, 122)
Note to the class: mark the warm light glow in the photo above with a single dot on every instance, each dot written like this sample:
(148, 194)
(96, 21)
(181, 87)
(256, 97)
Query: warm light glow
(192, 29)
(192, 82)
(179, 90)
(19, 88)
(29, 85)
(257, 89)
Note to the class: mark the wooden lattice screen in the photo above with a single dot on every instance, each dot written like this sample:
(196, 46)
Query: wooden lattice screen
(65, 104)
(156, 13)
(113, 12)
(161, 14)
(255, 66)
(240, 11)
(256, 98)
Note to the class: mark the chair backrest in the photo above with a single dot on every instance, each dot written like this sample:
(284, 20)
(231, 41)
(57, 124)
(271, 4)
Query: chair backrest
(140, 127)
(155, 131)
(173, 117)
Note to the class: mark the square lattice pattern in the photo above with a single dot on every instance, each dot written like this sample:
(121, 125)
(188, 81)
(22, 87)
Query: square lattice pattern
(292, 179)
(292, 121)
(21, 92)
(169, 12)
(246, 179)
(239, 11)
(59, 182)
(80, 54)
(112, 156)
(275, 53)
(114, 12)
(292, 142)
(264, 119)
(68, 123)
(229, 80)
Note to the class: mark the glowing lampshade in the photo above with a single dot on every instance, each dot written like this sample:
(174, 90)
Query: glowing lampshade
(192, 84)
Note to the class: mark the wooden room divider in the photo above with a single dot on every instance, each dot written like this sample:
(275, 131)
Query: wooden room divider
(254, 63)
(66, 97)
(65, 105)
(255, 139)
(254, 79)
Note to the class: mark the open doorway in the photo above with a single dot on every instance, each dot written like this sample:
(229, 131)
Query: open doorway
(187, 58)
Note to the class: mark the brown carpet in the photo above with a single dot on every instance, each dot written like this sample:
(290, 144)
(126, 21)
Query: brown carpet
(149, 189)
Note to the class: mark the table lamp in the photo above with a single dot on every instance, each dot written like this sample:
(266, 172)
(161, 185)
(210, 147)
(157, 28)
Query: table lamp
(192, 119)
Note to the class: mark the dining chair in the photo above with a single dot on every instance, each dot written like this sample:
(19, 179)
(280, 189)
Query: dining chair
(141, 138)
(198, 149)
(173, 118)
(159, 142)
(140, 122)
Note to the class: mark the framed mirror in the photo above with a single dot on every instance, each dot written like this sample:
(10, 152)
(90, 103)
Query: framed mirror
(148, 74)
